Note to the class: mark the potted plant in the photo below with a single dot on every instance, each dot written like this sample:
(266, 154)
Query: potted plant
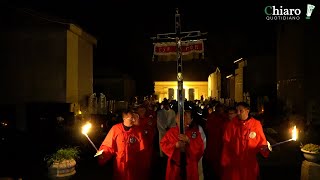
(62, 163)
(311, 152)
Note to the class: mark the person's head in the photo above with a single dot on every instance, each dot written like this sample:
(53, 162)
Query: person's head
(146, 103)
(219, 108)
(243, 110)
(210, 110)
(128, 118)
(166, 105)
(136, 119)
(232, 112)
(141, 111)
(187, 118)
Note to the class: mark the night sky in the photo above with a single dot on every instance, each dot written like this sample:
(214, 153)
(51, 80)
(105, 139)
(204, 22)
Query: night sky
(123, 28)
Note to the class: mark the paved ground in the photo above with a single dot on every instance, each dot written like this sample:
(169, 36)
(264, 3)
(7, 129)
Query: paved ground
(24, 158)
(284, 162)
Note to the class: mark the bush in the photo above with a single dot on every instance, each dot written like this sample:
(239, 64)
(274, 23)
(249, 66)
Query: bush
(311, 148)
(63, 154)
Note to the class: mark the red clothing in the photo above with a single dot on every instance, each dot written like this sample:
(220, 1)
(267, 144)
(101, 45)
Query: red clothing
(242, 142)
(215, 128)
(124, 145)
(148, 126)
(151, 113)
(194, 152)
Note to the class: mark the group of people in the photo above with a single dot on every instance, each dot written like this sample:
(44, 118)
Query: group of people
(227, 144)
(234, 140)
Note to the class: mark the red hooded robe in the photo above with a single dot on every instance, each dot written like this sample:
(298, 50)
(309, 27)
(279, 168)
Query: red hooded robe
(125, 146)
(215, 127)
(242, 142)
(148, 126)
(194, 152)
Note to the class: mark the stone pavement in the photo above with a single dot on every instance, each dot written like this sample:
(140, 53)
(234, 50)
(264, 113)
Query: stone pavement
(24, 159)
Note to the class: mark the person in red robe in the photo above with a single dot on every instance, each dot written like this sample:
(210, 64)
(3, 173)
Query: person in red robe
(148, 126)
(191, 143)
(124, 142)
(150, 112)
(243, 140)
(215, 128)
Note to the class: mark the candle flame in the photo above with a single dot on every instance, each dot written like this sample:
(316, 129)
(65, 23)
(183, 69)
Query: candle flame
(294, 133)
(86, 128)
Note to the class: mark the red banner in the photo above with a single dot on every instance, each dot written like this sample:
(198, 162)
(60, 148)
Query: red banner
(170, 48)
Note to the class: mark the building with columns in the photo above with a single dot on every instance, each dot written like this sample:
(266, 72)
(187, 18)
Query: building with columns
(193, 90)
(198, 80)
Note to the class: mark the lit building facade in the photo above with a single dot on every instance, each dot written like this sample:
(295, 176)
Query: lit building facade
(192, 90)
(214, 85)
(199, 81)
(238, 80)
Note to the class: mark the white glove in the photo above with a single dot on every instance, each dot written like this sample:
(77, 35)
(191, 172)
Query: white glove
(98, 153)
(269, 146)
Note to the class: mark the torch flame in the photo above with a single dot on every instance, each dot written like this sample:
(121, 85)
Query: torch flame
(294, 133)
(86, 128)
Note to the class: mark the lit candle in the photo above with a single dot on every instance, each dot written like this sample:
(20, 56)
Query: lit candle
(293, 138)
(85, 130)
(294, 133)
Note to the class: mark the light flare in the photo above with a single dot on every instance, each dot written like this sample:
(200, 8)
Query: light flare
(293, 138)
(86, 128)
(294, 133)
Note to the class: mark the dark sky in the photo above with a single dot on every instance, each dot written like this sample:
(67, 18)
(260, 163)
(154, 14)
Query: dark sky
(123, 28)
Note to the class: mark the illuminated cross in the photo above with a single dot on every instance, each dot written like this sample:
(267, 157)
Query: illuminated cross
(178, 36)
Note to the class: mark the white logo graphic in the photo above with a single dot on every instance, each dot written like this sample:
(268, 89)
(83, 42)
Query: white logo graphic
(252, 135)
(132, 140)
(310, 8)
(194, 135)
